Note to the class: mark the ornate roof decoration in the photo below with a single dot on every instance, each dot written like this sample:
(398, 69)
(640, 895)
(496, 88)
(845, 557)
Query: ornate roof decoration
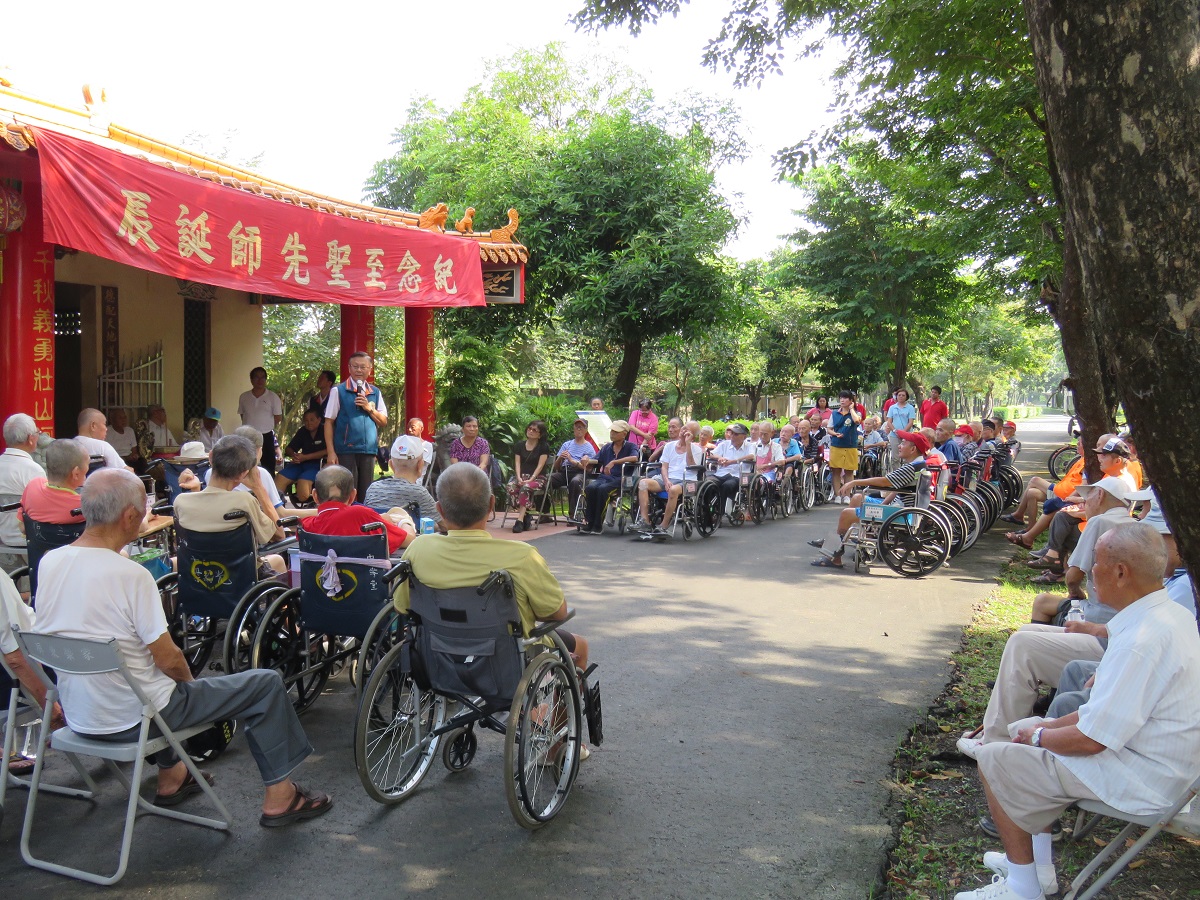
(18, 112)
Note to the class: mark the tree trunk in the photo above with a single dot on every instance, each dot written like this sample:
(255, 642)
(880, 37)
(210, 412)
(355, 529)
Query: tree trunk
(627, 373)
(900, 375)
(1122, 98)
(754, 394)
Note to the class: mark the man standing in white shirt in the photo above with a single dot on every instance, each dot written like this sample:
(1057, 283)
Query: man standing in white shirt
(158, 427)
(93, 429)
(1134, 745)
(263, 411)
(88, 590)
(17, 469)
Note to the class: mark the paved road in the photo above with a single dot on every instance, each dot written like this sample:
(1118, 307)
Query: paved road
(752, 705)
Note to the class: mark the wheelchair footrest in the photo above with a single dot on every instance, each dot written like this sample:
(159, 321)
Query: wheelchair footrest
(594, 713)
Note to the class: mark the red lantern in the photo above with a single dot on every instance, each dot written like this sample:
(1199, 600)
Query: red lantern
(12, 210)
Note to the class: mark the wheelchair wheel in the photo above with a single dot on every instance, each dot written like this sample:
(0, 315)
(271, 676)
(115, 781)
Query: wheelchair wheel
(807, 495)
(862, 560)
(1061, 460)
(394, 744)
(913, 542)
(384, 633)
(956, 525)
(969, 515)
(1012, 484)
(458, 749)
(825, 484)
(541, 746)
(621, 523)
(756, 504)
(785, 495)
(239, 630)
(708, 508)
(281, 642)
(991, 495)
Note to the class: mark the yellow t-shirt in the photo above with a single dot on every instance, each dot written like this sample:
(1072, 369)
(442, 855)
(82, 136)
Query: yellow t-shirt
(465, 559)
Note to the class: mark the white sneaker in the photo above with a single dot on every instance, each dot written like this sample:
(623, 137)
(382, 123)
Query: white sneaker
(969, 746)
(997, 890)
(1047, 877)
(586, 753)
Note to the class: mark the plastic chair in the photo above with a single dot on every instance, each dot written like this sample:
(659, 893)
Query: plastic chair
(1174, 821)
(20, 705)
(74, 656)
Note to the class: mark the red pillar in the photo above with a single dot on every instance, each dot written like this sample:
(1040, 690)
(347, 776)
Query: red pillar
(27, 318)
(418, 367)
(358, 333)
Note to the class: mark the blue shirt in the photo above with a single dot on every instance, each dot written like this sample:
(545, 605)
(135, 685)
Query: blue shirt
(951, 451)
(848, 429)
(902, 416)
(792, 449)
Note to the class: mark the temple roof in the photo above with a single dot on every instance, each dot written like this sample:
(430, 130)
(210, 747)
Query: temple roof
(20, 114)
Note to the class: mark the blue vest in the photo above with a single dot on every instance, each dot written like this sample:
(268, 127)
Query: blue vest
(353, 430)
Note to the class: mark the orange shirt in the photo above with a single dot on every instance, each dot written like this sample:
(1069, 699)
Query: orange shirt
(1073, 479)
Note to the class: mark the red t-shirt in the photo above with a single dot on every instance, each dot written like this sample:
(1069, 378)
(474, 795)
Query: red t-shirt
(933, 411)
(43, 502)
(888, 404)
(337, 518)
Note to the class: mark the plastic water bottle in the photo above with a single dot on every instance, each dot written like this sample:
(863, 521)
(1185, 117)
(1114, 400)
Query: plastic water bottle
(1075, 613)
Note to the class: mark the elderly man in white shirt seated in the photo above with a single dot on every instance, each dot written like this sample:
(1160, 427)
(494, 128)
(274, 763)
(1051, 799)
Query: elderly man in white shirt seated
(1135, 745)
(157, 426)
(121, 435)
(730, 454)
(677, 458)
(93, 429)
(17, 469)
(88, 590)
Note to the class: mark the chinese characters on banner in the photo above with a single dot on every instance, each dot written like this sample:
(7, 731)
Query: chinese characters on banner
(42, 322)
(152, 217)
(110, 330)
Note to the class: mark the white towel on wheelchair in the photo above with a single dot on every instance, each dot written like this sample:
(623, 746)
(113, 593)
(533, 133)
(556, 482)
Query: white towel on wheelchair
(331, 581)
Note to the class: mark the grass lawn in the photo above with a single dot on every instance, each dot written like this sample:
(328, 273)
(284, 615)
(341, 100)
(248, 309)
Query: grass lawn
(937, 799)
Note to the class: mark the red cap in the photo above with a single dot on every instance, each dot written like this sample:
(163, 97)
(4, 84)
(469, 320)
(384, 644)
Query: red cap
(917, 439)
(1011, 424)
(965, 429)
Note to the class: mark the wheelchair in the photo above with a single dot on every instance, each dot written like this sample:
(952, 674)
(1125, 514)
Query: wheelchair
(913, 540)
(40, 539)
(339, 613)
(462, 662)
(698, 509)
(215, 596)
(171, 472)
(620, 509)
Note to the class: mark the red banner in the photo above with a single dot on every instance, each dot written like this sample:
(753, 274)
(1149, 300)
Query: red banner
(151, 217)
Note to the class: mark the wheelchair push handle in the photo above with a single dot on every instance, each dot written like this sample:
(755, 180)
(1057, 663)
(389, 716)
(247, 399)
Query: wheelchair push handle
(9, 507)
(399, 572)
(500, 576)
(371, 527)
(163, 509)
(234, 514)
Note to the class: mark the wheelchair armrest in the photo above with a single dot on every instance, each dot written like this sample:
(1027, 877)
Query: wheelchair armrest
(19, 572)
(286, 521)
(9, 507)
(163, 509)
(399, 572)
(544, 628)
(278, 545)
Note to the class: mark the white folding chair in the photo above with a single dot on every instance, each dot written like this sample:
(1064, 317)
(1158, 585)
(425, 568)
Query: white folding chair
(22, 705)
(1174, 821)
(74, 656)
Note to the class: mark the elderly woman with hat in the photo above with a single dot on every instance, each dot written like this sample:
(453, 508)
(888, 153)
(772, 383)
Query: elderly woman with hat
(912, 449)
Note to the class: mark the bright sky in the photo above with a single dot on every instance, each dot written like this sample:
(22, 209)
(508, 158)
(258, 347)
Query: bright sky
(319, 88)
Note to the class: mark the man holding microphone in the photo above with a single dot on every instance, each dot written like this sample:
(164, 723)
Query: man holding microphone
(354, 413)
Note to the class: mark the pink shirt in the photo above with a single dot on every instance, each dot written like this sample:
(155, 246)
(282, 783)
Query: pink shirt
(43, 502)
(647, 422)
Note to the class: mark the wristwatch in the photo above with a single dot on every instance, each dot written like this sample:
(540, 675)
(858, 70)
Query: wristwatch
(1036, 740)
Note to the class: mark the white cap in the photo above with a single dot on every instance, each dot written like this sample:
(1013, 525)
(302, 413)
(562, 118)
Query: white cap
(1117, 487)
(408, 446)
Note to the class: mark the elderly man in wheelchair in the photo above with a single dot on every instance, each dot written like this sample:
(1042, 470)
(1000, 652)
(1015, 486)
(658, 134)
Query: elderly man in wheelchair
(473, 607)
(912, 450)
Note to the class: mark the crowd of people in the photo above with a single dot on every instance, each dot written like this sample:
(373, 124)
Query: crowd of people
(1120, 647)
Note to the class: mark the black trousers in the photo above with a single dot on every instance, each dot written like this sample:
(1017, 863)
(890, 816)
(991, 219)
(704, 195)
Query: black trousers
(362, 467)
(596, 493)
(268, 454)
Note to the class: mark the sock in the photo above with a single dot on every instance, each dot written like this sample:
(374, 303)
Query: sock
(1043, 845)
(1023, 880)
(833, 544)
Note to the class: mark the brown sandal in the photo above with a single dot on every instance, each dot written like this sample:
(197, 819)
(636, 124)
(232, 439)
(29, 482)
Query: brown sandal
(1017, 537)
(303, 806)
(189, 787)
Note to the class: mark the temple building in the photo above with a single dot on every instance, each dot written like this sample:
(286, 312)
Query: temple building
(134, 272)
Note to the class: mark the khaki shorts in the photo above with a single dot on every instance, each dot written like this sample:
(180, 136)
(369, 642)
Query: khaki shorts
(1031, 784)
(843, 458)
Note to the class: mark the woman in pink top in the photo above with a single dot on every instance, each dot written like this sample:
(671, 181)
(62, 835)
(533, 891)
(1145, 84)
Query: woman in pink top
(823, 408)
(643, 426)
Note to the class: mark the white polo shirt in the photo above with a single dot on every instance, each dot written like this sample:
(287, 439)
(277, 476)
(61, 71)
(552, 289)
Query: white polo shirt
(260, 412)
(1144, 709)
(122, 443)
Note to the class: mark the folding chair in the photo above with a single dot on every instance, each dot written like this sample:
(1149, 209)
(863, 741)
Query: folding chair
(74, 656)
(1174, 821)
(22, 705)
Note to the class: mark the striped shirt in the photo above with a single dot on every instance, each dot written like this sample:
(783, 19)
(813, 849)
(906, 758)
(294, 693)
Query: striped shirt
(903, 478)
(1144, 709)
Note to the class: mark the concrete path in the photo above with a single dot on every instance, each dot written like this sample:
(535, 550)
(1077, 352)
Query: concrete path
(752, 705)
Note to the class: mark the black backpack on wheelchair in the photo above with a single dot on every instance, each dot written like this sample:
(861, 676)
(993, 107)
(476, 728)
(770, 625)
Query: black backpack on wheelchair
(216, 569)
(40, 539)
